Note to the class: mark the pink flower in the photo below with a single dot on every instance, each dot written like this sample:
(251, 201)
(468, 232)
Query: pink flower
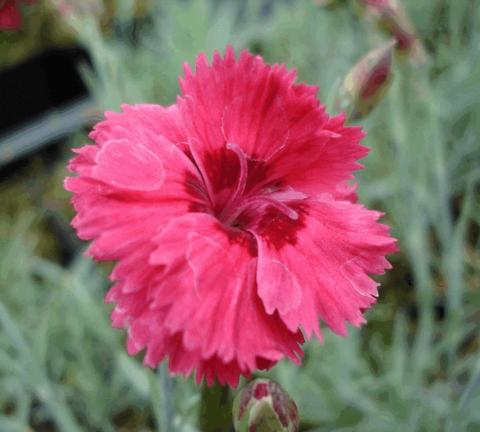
(10, 16)
(231, 220)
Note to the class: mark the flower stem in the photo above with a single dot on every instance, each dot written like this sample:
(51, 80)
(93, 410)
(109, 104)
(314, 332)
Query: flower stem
(216, 409)
(161, 397)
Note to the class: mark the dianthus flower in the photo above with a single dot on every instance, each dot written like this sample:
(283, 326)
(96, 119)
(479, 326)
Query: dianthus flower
(10, 15)
(231, 220)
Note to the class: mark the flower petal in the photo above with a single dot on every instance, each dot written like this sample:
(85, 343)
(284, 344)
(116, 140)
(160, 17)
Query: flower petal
(236, 101)
(210, 289)
(139, 120)
(324, 266)
(150, 333)
(321, 153)
(274, 121)
(128, 188)
(120, 164)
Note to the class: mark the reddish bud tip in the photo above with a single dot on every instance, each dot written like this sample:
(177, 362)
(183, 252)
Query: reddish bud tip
(264, 406)
(366, 83)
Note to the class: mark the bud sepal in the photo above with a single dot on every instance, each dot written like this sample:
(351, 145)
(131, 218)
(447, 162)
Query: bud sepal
(264, 406)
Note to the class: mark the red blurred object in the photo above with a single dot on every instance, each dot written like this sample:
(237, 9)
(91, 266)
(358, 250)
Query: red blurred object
(10, 15)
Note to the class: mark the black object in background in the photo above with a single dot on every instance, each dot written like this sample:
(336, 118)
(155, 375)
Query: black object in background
(39, 84)
(42, 100)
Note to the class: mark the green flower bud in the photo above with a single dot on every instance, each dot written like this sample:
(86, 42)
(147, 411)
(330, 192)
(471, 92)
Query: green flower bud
(264, 406)
(366, 83)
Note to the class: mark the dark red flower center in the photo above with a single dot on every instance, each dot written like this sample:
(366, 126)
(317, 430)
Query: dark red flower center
(243, 196)
(243, 188)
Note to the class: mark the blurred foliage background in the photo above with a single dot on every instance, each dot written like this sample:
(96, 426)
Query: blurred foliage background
(414, 367)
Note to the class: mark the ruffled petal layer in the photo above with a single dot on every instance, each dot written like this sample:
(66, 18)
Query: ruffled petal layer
(140, 119)
(321, 269)
(209, 290)
(278, 124)
(237, 101)
(322, 154)
(129, 188)
(150, 333)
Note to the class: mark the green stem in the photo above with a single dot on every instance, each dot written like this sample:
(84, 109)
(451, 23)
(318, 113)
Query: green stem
(161, 397)
(216, 409)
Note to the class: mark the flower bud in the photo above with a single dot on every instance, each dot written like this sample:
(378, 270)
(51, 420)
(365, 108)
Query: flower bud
(392, 18)
(264, 406)
(366, 83)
